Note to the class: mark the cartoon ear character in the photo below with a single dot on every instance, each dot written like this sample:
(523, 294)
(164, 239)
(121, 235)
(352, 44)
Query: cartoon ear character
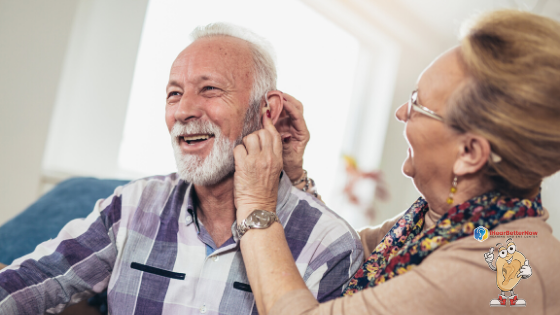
(511, 267)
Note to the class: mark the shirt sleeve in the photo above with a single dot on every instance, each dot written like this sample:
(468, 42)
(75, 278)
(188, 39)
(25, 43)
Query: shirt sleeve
(329, 273)
(65, 270)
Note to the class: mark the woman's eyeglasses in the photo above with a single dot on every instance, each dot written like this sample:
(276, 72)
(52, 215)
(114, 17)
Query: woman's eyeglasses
(413, 105)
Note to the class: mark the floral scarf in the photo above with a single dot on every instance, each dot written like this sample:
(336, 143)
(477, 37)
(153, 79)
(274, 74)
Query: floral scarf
(406, 245)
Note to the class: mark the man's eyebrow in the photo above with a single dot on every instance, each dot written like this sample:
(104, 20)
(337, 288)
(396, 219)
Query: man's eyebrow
(173, 83)
(199, 79)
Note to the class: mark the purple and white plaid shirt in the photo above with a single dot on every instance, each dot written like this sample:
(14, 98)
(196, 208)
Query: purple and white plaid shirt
(145, 245)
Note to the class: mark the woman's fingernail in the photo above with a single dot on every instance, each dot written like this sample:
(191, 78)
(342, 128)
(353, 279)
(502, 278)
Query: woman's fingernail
(287, 138)
(268, 113)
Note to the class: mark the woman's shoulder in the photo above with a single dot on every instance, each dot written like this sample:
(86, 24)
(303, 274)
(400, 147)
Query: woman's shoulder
(532, 236)
(464, 261)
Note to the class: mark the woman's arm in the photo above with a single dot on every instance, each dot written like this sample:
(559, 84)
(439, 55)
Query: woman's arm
(268, 260)
(270, 266)
(452, 280)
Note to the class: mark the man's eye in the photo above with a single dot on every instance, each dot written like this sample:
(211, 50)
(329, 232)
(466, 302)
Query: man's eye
(209, 88)
(174, 94)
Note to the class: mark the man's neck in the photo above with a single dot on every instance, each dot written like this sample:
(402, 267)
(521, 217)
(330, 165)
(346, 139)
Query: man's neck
(215, 209)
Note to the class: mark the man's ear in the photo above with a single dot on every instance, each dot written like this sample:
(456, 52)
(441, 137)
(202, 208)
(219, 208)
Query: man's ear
(474, 152)
(275, 105)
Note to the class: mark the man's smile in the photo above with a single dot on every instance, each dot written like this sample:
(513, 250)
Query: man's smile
(192, 139)
(195, 142)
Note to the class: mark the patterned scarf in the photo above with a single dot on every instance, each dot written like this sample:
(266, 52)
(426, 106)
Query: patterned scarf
(406, 245)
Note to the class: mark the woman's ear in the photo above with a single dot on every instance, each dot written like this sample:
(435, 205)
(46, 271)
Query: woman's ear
(474, 153)
(275, 104)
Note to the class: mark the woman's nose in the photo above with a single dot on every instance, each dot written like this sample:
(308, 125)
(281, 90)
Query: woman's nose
(401, 113)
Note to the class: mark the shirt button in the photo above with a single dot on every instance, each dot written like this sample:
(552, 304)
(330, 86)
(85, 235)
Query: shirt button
(216, 257)
(189, 220)
(202, 309)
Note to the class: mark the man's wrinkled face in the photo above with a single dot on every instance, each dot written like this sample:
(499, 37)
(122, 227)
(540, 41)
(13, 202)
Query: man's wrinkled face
(208, 95)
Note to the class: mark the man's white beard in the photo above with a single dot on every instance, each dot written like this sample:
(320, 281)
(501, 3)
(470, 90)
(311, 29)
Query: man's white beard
(203, 171)
(220, 162)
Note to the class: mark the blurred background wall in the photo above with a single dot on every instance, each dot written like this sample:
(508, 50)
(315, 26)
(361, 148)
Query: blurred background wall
(82, 87)
(33, 40)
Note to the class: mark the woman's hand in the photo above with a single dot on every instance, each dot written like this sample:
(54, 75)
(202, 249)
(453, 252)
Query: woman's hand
(291, 125)
(258, 163)
(270, 265)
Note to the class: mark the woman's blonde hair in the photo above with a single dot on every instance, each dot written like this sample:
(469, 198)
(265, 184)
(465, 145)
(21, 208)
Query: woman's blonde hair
(512, 97)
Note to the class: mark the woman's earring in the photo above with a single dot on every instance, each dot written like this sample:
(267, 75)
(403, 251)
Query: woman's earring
(452, 191)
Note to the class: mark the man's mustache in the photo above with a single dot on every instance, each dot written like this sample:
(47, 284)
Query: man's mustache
(195, 127)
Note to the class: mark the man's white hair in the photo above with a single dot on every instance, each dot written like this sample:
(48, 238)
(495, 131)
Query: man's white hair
(264, 78)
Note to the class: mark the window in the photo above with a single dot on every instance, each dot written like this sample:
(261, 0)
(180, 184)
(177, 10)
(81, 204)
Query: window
(316, 63)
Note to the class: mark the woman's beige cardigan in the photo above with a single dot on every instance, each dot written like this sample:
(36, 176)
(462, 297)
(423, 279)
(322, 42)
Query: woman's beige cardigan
(454, 279)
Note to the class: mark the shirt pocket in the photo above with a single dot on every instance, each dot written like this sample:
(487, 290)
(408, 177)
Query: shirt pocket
(158, 271)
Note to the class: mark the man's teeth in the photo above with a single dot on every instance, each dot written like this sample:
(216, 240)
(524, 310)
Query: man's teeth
(190, 139)
(199, 137)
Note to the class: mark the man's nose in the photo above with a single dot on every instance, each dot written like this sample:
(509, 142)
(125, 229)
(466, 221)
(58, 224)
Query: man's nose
(401, 113)
(188, 108)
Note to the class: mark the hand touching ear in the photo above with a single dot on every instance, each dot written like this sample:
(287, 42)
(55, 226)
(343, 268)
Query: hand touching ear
(258, 163)
(295, 136)
(272, 106)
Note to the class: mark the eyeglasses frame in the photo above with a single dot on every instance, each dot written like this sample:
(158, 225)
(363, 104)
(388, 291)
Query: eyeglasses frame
(413, 105)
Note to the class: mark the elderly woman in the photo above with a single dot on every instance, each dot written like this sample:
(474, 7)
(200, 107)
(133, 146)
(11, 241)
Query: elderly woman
(483, 128)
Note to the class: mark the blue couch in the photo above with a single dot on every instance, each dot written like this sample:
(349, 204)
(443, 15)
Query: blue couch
(71, 199)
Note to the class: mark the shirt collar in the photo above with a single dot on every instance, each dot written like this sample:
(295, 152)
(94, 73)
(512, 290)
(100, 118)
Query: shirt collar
(190, 214)
(284, 188)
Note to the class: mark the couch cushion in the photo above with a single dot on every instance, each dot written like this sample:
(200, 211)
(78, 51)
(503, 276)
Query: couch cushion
(71, 199)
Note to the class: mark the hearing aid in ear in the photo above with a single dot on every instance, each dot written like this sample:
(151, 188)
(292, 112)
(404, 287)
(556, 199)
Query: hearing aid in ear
(266, 108)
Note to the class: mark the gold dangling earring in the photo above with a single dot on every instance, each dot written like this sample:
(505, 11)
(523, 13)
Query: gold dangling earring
(452, 191)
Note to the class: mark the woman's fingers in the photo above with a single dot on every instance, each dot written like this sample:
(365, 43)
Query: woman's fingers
(239, 153)
(296, 116)
(294, 101)
(258, 163)
(273, 139)
(266, 139)
(252, 144)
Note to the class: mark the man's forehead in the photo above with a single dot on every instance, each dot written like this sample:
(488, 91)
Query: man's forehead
(221, 59)
(216, 53)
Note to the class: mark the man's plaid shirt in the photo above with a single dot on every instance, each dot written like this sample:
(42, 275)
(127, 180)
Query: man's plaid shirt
(145, 245)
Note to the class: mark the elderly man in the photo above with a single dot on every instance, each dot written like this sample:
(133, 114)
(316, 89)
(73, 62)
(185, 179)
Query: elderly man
(170, 244)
